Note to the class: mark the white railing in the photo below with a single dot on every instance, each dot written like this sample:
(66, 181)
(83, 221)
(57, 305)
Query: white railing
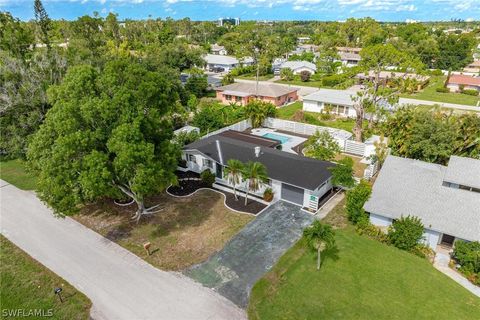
(239, 126)
(356, 148)
(371, 170)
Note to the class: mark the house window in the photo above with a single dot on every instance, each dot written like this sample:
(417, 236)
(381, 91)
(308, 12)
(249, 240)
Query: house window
(228, 97)
(192, 158)
(207, 163)
(238, 99)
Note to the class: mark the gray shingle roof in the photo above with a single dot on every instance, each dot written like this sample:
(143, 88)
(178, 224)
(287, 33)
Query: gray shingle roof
(286, 167)
(413, 187)
(332, 96)
(266, 90)
(294, 65)
(464, 171)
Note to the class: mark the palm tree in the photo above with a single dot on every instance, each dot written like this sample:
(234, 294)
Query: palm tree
(257, 111)
(319, 236)
(254, 174)
(233, 173)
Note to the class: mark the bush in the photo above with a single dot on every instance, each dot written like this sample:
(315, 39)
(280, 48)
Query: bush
(470, 92)
(467, 254)
(364, 227)
(333, 80)
(423, 251)
(406, 232)
(207, 177)
(356, 198)
(442, 90)
(436, 72)
(326, 116)
(268, 194)
(305, 76)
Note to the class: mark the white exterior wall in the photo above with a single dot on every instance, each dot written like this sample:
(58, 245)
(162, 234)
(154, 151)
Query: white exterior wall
(319, 192)
(453, 87)
(431, 238)
(299, 70)
(380, 221)
(312, 106)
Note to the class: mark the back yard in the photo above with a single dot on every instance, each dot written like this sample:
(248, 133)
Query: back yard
(430, 93)
(364, 279)
(186, 232)
(13, 171)
(28, 285)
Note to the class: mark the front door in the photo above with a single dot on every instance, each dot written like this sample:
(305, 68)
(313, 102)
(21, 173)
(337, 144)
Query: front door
(219, 171)
(447, 240)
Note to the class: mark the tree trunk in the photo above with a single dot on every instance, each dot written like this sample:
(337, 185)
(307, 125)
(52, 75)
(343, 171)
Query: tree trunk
(318, 258)
(141, 210)
(246, 196)
(358, 128)
(235, 192)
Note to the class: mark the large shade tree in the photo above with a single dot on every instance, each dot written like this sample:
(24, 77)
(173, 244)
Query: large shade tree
(108, 134)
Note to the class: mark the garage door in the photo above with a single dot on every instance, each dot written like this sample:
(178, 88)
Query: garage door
(292, 194)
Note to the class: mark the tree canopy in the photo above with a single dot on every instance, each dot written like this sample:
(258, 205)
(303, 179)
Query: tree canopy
(107, 135)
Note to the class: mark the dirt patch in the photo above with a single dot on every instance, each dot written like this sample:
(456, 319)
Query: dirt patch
(337, 217)
(187, 231)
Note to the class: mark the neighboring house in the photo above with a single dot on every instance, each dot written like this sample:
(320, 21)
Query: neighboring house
(298, 67)
(218, 50)
(219, 63)
(186, 129)
(387, 76)
(473, 67)
(445, 198)
(243, 92)
(302, 40)
(349, 57)
(293, 178)
(457, 82)
(339, 102)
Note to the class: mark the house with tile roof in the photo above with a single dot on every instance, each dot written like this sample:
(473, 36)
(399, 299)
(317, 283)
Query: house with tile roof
(459, 82)
(243, 92)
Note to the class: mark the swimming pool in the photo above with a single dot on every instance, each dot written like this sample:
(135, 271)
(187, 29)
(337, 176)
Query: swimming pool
(282, 139)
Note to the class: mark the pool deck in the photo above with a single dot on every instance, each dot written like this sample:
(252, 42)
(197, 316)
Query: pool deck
(289, 146)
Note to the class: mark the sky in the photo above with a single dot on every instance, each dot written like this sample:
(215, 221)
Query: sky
(337, 10)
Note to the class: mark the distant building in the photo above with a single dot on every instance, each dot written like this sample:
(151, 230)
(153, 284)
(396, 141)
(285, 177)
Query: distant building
(302, 40)
(386, 76)
(218, 50)
(349, 56)
(296, 66)
(457, 82)
(473, 67)
(243, 92)
(220, 63)
(232, 21)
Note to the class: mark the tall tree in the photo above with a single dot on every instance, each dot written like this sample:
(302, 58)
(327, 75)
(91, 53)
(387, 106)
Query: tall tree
(233, 172)
(342, 173)
(321, 146)
(257, 111)
(254, 175)
(108, 134)
(43, 21)
(319, 237)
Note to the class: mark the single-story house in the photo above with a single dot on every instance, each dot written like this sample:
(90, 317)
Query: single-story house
(298, 67)
(473, 67)
(186, 129)
(243, 92)
(220, 63)
(218, 50)
(300, 180)
(386, 76)
(458, 81)
(349, 57)
(445, 198)
(340, 102)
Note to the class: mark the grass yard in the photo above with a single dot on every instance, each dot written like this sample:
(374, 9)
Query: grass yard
(363, 279)
(314, 118)
(28, 285)
(186, 232)
(358, 167)
(14, 172)
(298, 82)
(430, 93)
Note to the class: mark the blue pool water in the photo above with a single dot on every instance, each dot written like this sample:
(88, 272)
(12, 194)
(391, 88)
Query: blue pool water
(275, 136)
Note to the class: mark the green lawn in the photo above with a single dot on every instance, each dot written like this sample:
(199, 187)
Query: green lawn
(28, 285)
(13, 171)
(367, 280)
(430, 93)
(314, 118)
(298, 82)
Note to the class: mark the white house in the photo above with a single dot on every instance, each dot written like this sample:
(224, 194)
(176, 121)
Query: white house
(298, 67)
(445, 198)
(218, 50)
(349, 57)
(293, 178)
(220, 63)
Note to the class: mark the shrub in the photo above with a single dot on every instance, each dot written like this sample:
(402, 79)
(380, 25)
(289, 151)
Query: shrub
(326, 116)
(436, 72)
(442, 90)
(470, 92)
(299, 116)
(364, 227)
(406, 232)
(423, 251)
(333, 80)
(268, 194)
(305, 76)
(467, 254)
(356, 198)
(207, 177)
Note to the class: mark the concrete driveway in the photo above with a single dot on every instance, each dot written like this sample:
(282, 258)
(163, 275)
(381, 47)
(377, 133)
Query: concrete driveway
(119, 284)
(252, 252)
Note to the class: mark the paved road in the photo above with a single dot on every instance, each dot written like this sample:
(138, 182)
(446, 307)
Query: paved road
(252, 252)
(120, 285)
(441, 104)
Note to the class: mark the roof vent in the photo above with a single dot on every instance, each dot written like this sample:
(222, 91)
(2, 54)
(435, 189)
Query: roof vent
(257, 151)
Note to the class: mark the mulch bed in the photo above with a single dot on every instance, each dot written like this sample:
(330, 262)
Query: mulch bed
(187, 187)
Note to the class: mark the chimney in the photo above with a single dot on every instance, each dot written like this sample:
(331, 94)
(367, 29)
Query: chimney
(257, 151)
(219, 151)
